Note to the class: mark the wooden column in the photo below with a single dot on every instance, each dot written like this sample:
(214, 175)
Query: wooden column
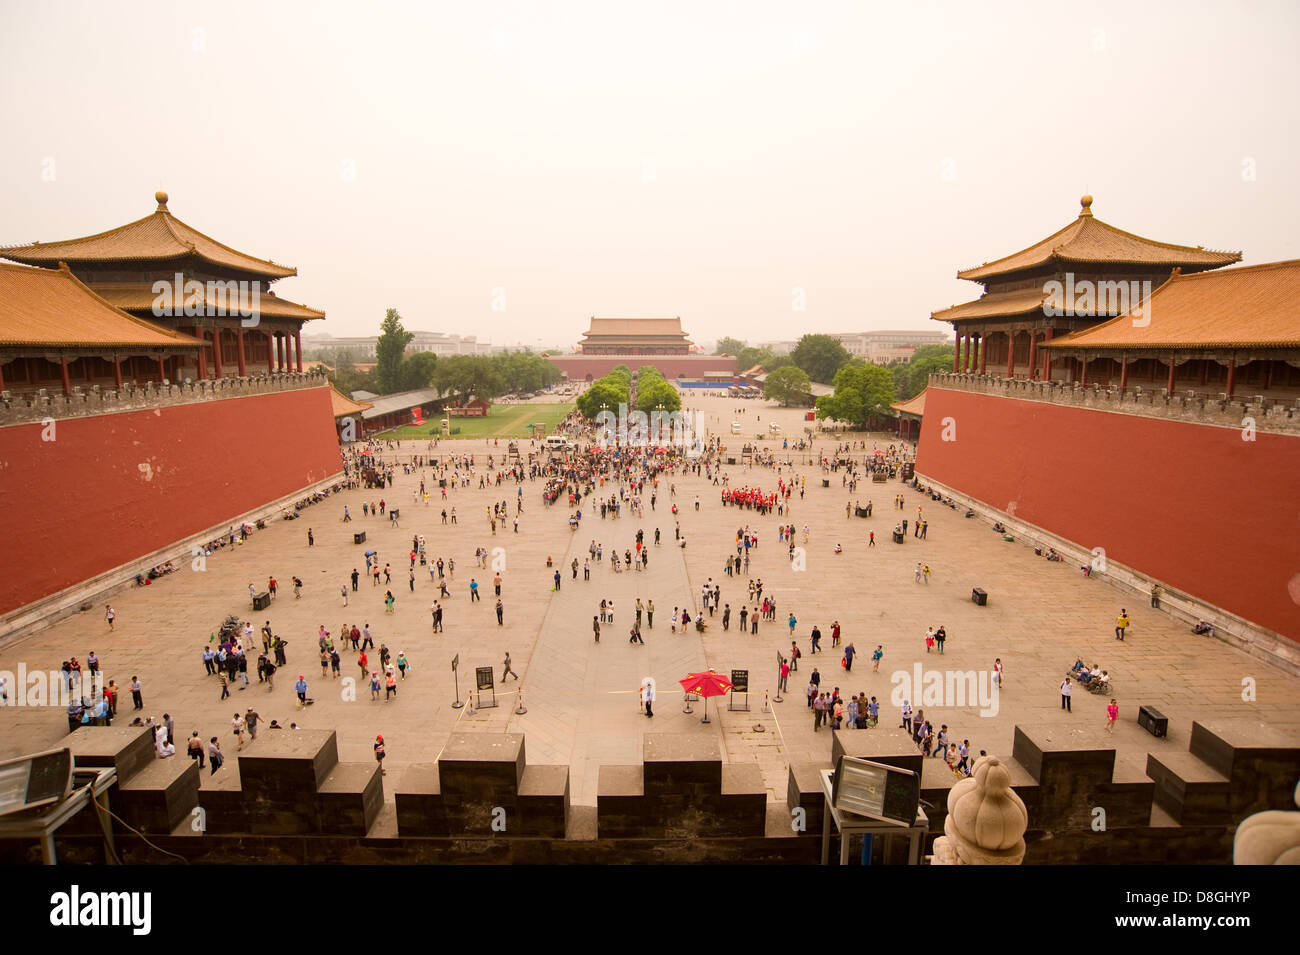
(1011, 354)
(117, 371)
(297, 347)
(203, 353)
(243, 366)
(1047, 356)
(162, 370)
(1033, 353)
(1123, 373)
(964, 343)
(67, 387)
(216, 350)
(1083, 374)
(1232, 376)
(983, 343)
(279, 352)
(1169, 388)
(2, 376)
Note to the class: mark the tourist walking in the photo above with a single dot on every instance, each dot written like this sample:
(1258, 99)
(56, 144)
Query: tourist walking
(1065, 694)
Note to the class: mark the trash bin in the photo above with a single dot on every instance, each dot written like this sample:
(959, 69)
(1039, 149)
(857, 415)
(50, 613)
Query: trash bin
(359, 537)
(979, 596)
(899, 537)
(1153, 721)
(261, 601)
(826, 482)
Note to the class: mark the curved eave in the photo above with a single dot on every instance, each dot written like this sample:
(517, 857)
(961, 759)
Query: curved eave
(48, 255)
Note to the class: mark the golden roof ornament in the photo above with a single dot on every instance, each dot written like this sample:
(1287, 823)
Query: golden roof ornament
(1086, 203)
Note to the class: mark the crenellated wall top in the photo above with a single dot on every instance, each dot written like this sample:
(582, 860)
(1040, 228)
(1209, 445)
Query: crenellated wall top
(26, 408)
(1268, 415)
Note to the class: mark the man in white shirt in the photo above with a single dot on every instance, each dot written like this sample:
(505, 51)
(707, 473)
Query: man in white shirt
(1065, 695)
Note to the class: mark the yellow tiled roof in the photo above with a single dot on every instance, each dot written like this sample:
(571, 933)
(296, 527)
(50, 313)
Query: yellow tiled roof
(1255, 306)
(52, 308)
(636, 327)
(1018, 302)
(160, 236)
(137, 296)
(1089, 240)
(343, 405)
(914, 405)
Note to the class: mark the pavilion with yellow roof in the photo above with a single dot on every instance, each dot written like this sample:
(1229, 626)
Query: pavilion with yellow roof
(172, 276)
(1081, 275)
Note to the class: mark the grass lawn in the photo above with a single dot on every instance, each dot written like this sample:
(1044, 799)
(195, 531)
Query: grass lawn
(504, 421)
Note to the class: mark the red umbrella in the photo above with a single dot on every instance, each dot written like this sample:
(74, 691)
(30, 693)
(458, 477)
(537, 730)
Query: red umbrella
(706, 685)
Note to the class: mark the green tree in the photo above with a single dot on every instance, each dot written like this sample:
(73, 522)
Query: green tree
(417, 370)
(788, 385)
(901, 387)
(467, 376)
(653, 391)
(729, 346)
(920, 370)
(393, 339)
(931, 351)
(821, 356)
(602, 392)
(863, 393)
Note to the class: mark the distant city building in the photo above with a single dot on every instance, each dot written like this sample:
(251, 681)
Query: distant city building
(888, 347)
(439, 343)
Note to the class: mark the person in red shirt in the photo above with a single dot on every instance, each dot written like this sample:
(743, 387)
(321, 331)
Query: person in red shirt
(1112, 714)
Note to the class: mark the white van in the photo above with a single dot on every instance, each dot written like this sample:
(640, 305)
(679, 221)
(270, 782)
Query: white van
(557, 442)
(735, 427)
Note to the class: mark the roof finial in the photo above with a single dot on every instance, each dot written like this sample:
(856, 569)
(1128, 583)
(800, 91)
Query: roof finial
(1086, 203)
(162, 201)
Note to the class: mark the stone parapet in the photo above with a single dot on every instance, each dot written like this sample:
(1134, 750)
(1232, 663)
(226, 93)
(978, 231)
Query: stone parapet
(43, 405)
(1273, 416)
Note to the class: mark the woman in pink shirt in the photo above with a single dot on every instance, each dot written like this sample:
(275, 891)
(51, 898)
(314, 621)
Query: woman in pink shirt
(1112, 714)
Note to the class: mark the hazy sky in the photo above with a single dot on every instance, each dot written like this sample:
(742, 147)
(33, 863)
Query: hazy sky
(696, 159)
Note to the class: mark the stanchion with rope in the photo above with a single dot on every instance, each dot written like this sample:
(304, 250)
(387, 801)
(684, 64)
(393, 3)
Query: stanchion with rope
(767, 707)
(520, 710)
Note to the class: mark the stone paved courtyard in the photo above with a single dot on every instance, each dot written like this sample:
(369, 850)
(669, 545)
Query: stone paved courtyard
(581, 697)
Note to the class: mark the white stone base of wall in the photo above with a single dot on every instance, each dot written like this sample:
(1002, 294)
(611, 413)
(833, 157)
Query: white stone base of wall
(49, 610)
(1259, 642)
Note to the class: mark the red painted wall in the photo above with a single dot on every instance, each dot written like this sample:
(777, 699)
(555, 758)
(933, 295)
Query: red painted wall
(112, 488)
(1192, 505)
